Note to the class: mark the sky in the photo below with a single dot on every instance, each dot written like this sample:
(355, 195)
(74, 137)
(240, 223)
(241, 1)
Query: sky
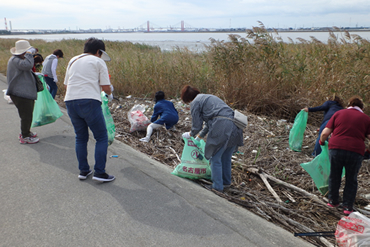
(129, 14)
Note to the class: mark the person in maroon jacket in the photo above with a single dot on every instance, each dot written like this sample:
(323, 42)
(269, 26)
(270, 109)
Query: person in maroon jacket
(349, 128)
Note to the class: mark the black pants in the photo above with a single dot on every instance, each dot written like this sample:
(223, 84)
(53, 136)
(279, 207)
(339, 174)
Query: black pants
(351, 161)
(25, 111)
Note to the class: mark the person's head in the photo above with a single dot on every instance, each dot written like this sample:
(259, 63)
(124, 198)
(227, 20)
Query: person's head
(21, 46)
(94, 45)
(158, 96)
(58, 52)
(336, 98)
(37, 58)
(356, 101)
(188, 93)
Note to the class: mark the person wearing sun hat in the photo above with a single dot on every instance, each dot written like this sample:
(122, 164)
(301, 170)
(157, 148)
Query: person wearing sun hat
(86, 77)
(22, 87)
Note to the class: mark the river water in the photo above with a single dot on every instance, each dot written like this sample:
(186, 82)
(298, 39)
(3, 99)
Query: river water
(169, 41)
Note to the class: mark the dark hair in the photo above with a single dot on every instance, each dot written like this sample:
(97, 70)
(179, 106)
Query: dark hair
(337, 99)
(37, 58)
(58, 52)
(188, 93)
(158, 96)
(93, 45)
(356, 101)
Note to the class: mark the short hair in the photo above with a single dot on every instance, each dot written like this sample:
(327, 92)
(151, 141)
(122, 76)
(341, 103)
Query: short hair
(336, 98)
(158, 96)
(188, 93)
(93, 45)
(356, 101)
(37, 58)
(58, 52)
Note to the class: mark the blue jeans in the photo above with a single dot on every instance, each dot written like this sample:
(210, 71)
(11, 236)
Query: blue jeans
(52, 85)
(221, 167)
(317, 149)
(85, 114)
(351, 161)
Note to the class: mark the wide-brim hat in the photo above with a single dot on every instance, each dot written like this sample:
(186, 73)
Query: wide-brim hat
(105, 56)
(21, 46)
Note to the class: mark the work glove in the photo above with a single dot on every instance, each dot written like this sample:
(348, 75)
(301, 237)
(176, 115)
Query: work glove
(55, 80)
(110, 97)
(111, 88)
(186, 135)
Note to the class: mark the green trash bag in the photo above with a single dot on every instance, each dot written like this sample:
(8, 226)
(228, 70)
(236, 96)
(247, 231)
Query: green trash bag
(46, 110)
(319, 169)
(111, 128)
(297, 132)
(193, 163)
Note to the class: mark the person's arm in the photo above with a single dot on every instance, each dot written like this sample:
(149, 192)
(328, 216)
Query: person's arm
(106, 89)
(324, 135)
(54, 69)
(323, 107)
(197, 121)
(24, 64)
(156, 113)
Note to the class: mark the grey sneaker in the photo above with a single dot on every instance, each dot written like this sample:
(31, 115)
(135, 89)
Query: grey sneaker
(103, 177)
(29, 140)
(84, 175)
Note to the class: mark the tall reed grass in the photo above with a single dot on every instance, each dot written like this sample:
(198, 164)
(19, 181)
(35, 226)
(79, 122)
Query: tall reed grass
(258, 72)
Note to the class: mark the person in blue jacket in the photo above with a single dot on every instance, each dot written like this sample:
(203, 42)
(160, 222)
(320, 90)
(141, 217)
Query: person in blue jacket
(167, 113)
(329, 107)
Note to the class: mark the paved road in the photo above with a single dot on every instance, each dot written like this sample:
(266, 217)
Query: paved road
(43, 203)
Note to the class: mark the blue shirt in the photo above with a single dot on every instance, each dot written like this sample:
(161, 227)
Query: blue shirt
(166, 110)
(329, 107)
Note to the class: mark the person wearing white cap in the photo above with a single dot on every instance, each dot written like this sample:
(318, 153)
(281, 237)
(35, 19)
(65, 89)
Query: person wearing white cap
(22, 87)
(86, 76)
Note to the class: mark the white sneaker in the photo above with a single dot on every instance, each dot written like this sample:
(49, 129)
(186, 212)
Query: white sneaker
(29, 140)
(144, 139)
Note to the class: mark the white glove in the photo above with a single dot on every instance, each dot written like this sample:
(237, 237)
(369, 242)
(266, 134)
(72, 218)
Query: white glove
(110, 97)
(186, 135)
(197, 138)
(55, 80)
(32, 50)
(111, 88)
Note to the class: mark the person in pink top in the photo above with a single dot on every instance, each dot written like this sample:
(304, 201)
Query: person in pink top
(349, 128)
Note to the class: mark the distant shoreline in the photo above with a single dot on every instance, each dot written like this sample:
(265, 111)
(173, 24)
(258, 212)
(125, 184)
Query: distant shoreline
(214, 31)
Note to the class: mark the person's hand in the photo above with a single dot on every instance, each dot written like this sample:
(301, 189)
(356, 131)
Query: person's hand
(55, 80)
(321, 143)
(32, 50)
(110, 97)
(305, 109)
(186, 135)
(111, 88)
(198, 138)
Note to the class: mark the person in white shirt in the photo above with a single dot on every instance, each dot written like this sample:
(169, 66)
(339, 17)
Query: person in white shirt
(50, 71)
(86, 76)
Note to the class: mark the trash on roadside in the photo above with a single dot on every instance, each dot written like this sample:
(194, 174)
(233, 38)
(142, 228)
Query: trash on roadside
(114, 156)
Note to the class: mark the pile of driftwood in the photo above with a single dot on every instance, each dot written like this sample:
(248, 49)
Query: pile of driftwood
(267, 176)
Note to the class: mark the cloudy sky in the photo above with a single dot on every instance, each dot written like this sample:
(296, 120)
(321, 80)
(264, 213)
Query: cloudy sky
(86, 14)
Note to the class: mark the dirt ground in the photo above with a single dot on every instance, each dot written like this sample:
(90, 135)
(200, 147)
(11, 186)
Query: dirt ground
(266, 150)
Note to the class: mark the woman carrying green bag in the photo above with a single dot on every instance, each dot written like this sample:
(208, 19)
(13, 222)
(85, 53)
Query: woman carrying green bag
(223, 136)
(349, 128)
